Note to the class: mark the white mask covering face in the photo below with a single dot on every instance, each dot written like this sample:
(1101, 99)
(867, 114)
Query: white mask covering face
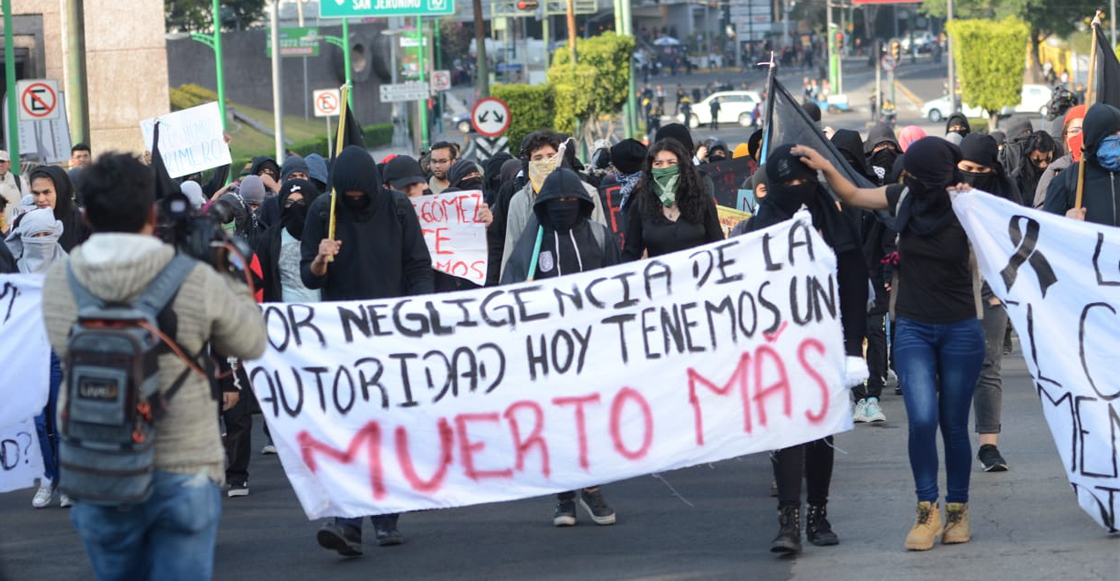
(34, 243)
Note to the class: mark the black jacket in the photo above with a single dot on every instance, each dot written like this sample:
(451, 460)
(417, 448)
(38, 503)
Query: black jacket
(1101, 185)
(74, 228)
(587, 246)
(383, 253)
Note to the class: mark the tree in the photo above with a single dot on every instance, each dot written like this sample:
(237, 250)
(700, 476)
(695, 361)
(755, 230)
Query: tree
(596, 87)
(990, 62)
(1043, 17)
(197, 15)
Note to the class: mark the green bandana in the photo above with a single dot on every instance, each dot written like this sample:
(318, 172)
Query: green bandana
(665, 178)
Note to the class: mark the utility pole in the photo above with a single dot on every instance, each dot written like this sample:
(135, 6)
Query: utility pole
(10, 81)
(421, 105)
(952, 63)
(631, 96)
(572, 29)
(277, 95)
(1112, 23)
(77, 97)
(214, 41)
(480, 51)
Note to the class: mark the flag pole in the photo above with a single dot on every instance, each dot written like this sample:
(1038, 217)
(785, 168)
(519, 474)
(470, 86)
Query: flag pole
(769, 118)
(1090, 96)
(345, 93)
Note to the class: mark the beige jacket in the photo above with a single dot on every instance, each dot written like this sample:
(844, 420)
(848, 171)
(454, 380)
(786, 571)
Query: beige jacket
(118, 267)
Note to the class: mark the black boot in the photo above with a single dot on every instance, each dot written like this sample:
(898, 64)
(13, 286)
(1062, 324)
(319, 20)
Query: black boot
(817, 528)
(788, 540)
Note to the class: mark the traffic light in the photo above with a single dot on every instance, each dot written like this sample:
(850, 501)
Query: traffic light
(838, 39)
(527, 5)
(896, 49)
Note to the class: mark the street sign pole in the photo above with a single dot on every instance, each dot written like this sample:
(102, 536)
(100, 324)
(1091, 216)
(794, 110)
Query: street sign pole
(422, 104)
(214, 41)
(10, 81)
(346, 61)
(330, 146)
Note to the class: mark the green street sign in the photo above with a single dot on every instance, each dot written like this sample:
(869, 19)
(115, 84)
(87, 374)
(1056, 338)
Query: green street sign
(295, 42)
(382, 8)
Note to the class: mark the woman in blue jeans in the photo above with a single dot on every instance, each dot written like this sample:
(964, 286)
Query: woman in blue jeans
(939, 343)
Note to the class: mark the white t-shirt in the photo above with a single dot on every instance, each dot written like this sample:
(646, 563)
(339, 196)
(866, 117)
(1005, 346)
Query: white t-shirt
(292, 289)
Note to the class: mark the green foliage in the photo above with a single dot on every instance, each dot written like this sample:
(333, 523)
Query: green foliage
(1044, 17)
(530, 107)
(608, 55)
(187, 96)
(574, 98)
(198, 15)
(991, 59)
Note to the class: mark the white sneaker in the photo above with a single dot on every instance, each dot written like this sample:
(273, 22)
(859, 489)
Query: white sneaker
(873, 412)
(859, 416)
(64, 501)
(44, 495)
(268, 449)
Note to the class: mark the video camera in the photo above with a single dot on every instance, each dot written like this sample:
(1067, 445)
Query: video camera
(201, 236)
(1061, 100)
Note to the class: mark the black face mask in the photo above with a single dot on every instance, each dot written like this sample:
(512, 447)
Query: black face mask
(359, 204)
(470, 184)
(884, 158)
(293, 218)
(563, 214)
(981, 181)
(791, 198)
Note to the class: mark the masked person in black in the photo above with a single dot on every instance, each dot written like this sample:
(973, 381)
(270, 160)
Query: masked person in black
(463, 176)
(1101, 150)
(673, 209)
(981, 169)
(492, 181)
(939, 342)
(570, 242)
(957, 123)
(1038, 151)
(51, 188)
(379, 252)
(851, 147)
(278, 249)
(792, 185)
(882, 150)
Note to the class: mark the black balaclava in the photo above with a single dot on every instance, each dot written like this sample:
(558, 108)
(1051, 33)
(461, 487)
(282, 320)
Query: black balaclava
(958, 119)
(627, 156)
(884, 158)
(931, 163)
(355, 170)
(292, 218)
(562, 215)
(1101, 120)
(456, 175)
(851, 147)
(982, 150)
(781, 167)
(493, 179)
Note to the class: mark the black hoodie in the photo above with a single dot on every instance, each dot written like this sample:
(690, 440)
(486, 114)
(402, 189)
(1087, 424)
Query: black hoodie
(1101, 185)
(586, 246)
(958, 119)
(268, 243)
(881, 162)
(74, 228)
(982, 150)
(383, 253)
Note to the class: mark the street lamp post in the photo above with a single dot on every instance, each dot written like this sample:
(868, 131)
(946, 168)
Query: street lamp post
(214, 41)
(10, 81)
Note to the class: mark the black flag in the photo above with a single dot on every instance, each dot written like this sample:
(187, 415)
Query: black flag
(1108, 71)
(165, 186)
(351, 131)
(787, 122)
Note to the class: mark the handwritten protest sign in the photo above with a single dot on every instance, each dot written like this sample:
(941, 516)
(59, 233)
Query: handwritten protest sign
(456, 238)
(21, 461)
(26, 380)
(502, 393)
(189, 140)
(727, 177)
(729, 218)
(1060, 282)
(610, 199)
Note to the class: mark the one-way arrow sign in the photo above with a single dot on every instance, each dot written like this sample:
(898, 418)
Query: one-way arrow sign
(490, 117)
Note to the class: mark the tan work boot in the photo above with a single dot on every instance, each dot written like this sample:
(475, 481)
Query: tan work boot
(927, 527)
(957, 528)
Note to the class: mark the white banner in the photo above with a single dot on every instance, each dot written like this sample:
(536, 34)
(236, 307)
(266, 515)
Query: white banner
(21, 460)
(1060, 281)
(23, 392)
(189, 140)
(456, 238)
(503, 393)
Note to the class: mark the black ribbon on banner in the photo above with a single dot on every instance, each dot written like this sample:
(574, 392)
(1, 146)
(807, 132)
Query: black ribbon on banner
(1025, 252)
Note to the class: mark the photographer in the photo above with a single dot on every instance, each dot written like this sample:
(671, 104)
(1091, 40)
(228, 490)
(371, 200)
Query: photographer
(171, 534)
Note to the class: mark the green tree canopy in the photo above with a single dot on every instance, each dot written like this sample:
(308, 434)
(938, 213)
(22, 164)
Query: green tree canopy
(990, 61)
(197, 15)
(596, 87)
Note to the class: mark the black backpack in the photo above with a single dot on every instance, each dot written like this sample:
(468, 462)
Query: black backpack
(106, 450)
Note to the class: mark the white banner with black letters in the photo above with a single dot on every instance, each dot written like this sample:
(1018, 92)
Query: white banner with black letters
(517, 391)
(1060, 281)
(26, 379)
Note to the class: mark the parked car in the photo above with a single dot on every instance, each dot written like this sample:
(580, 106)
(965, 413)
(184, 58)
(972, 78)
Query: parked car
(735, 107)
(924, 41)
(938, 110)
(1034, 99)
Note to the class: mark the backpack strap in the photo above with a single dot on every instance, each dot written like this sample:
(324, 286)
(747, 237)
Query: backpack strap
(83, 299)
(165, 285)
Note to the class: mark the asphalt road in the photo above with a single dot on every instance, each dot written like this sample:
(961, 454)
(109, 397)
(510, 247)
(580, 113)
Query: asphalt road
(707, 522)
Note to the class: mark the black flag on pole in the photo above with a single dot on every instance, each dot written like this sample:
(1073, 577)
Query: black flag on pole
(351, 131)
(165, 185)
(787, 122)
(1108, 71)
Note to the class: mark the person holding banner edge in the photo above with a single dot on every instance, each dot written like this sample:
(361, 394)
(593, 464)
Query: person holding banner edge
(939, 342)
(1101, 151)
(378, 252)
